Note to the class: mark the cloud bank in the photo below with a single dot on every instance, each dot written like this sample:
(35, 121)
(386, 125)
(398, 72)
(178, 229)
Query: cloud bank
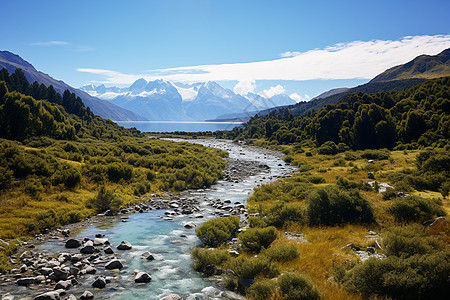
(50, 43)
(357, 59)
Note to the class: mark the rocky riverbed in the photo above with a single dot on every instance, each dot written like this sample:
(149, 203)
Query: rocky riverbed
(144, 250)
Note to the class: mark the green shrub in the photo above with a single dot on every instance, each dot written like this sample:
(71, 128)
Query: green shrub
(282, 253)
(381, 154)
(410, 240)
(217, 231)
(253, 239)
(105, 200)
(281, 213)
(296, 286)
(328, 147)
(288, 159)
(331, 205)
(251, 267)
(262, 289)
(209, 260)
(389, 194)
(117, 172)
(415, 209)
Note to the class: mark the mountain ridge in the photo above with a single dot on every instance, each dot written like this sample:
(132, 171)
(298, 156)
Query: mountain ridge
(105, 109)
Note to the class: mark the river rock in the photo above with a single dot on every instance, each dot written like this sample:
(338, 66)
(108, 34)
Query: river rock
(73, 243)
(25, 281)
(23, 268)
(63, 284)
(53, 295)
(108, 213)
(65, 232)
(171, 297)
(109, 250)
(124, 245)
(60, 274)
(101, 241)
(114, 264)
(142, 277)
(190, 225)
(45, 271)
(87, 250)
(100, 282)
(147, 255)
(87, 295)
(89, 270)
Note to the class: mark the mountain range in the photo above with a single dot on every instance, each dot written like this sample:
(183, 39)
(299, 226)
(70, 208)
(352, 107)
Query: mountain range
(165, 100)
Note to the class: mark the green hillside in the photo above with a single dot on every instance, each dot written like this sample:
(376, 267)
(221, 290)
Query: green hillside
(56, 155)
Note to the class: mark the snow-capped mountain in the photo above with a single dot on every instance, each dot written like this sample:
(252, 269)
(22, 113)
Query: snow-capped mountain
(164, 100)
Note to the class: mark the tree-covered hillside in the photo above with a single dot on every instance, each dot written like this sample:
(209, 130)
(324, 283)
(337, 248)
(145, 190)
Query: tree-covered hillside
(56, 155)
(418, 116)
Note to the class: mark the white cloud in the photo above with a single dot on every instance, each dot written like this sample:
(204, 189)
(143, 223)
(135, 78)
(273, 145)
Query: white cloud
(50, 43)
(244, 87)
(299, 98)
(358, 59)
(272, 91)
(290, 54)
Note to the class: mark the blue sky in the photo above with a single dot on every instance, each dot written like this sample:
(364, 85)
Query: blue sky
(307, 43)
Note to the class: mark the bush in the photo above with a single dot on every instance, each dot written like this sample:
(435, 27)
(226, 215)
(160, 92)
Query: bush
(105, 200)
(416, 267)
(253, 266)
(328, 147)
(288, 159)
(282, 253)
(415, 209)
(331, 205)
(410, 240)
(217, 231)
(262, 289)
(295, 286)
(281, 213)
(253, 239)
(381, 154)
(209, 260)
(119, 171)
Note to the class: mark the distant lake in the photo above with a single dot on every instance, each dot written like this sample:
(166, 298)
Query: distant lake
(170, 126)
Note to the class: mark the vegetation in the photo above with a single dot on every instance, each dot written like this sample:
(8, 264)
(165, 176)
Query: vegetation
(59, 163)
(218, 231)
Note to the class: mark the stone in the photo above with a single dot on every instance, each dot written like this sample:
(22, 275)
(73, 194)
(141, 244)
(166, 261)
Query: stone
(370, 175)
(147, 255)
(53, 295)
(45, 271)
(142, 277)
(101, 241)
(114, 264)
(23, 268)
(72, 243)
(87, 295)
(171, 297)
(89, 270)
(88, 243)
(63, 284)
(65, 232)
(124, 245)
(25, 281)
(190, 225)
(74, 270)
(60, 274)
(109, 250)
(87, 250)
(108, 213)
(100, 282)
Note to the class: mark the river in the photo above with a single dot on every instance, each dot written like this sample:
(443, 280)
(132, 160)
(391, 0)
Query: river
(169, 241)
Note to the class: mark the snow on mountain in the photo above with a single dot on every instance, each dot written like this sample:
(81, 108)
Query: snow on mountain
(164, 100)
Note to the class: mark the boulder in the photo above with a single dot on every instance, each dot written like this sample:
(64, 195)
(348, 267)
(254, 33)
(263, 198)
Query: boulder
(101, 241)
(99, 282)
(190, 225)
(25, 281)
(114, 264)
(142, 277)
(53, 295)
(108, 213)
(45, 271)
(87, 250)
(63, 284)
(109, 250)
(60, 274)
(87, 295)
(72, 243)
(89, 270)
(124, 245)
(147, 255)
